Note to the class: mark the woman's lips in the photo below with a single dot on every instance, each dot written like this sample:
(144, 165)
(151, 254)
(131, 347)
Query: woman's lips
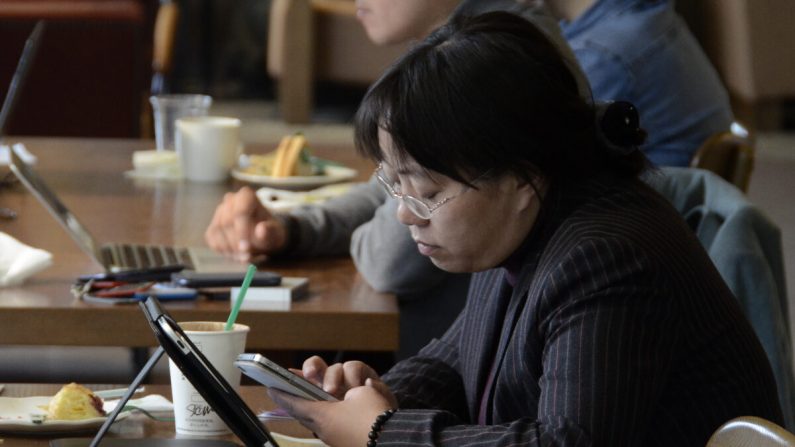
(425, 249)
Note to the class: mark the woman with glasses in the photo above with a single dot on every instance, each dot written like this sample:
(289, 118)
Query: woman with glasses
(594, 316)
(362, 222)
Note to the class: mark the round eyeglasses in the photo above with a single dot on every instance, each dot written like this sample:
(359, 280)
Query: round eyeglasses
(415, 205)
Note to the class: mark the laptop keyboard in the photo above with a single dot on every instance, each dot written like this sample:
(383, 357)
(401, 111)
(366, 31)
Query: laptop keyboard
(134, 256)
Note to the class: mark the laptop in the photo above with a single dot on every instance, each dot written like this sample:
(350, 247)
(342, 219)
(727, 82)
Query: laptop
(113, 257)
(118, 257)
(20, 74)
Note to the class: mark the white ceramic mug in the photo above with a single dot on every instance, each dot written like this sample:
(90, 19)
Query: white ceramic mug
(207, 147)
(192, 414)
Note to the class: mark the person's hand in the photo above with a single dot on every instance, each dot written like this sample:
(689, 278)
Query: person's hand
(242, 227)
(343, 423)
(338, 378)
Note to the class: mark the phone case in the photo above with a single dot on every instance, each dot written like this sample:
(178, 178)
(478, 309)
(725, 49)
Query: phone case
(272, 375)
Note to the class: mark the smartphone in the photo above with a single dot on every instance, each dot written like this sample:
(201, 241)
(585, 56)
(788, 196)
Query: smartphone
(197, 280)
(268, 373)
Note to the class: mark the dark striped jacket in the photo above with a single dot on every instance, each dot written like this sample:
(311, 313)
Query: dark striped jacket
(619, 332)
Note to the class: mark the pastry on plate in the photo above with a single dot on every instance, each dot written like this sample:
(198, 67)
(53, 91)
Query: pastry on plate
(75, 402)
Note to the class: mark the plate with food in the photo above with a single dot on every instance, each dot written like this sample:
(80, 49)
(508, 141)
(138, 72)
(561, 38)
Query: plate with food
(291, 166)
(74, 409)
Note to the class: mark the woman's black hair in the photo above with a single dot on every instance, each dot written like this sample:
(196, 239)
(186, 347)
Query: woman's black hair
(492, 93)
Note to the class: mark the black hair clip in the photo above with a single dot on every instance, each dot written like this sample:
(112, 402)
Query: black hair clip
(619, 126)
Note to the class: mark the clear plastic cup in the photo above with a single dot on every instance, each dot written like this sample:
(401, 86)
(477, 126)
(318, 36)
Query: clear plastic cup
(167, 109)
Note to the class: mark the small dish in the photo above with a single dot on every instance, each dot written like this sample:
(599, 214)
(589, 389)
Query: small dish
(16, 412)
(282, 200)
(333, 174)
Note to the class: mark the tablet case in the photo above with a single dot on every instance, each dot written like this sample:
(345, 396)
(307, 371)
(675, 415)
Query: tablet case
(221, 396)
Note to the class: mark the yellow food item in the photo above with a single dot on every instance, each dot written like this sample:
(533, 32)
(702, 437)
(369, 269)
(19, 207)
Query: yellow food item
(281, 153)
(74, 402)
(287, 157)
(291, 158)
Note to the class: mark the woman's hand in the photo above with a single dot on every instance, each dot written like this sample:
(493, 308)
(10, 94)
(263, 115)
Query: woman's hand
(338, 378)
(242, 227)
(343, 423)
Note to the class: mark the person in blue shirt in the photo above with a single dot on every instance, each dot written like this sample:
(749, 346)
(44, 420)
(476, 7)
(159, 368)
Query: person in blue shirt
(641, 51)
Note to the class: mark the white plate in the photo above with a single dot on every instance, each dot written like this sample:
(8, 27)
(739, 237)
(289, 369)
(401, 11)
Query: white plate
(334, 174)
(15, 417)
(283, 200)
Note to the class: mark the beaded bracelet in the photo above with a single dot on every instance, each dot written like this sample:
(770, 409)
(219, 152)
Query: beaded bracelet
(375, 429)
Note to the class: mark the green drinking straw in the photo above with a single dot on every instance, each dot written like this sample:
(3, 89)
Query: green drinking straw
(240, 296)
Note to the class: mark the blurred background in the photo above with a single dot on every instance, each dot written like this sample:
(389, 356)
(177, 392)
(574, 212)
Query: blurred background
(100, 52)
(285, 65)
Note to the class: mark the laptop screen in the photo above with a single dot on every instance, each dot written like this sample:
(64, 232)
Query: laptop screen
(20, 74)
(37, 187)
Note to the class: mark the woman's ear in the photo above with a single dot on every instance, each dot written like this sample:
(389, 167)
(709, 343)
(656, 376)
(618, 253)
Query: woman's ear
(528, 193)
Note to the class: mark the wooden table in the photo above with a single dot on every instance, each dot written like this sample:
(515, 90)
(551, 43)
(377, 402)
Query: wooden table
(342, 312)
(137, 425)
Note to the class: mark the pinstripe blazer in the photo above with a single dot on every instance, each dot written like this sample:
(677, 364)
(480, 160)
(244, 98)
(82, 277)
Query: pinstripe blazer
(618, 331)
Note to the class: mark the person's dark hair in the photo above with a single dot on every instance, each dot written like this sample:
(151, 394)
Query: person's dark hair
(492, 93)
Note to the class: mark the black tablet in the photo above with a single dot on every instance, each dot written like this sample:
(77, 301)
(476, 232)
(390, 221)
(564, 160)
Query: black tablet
(221, 396)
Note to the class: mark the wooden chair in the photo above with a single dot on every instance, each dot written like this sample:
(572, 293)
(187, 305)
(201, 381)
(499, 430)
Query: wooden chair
(163, 45)
(729, 154)
(163, 38)
(750, 431)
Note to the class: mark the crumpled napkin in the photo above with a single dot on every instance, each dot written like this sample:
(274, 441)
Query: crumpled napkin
(19, 261)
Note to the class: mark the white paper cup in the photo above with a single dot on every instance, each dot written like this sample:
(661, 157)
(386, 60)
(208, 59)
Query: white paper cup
(207, 147)
(192, 415)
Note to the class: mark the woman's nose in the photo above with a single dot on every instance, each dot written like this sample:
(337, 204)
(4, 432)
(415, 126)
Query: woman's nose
(407, 217)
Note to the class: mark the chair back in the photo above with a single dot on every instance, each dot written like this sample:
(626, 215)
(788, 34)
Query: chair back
(729, 154)
(750, 431)
(163, 45)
